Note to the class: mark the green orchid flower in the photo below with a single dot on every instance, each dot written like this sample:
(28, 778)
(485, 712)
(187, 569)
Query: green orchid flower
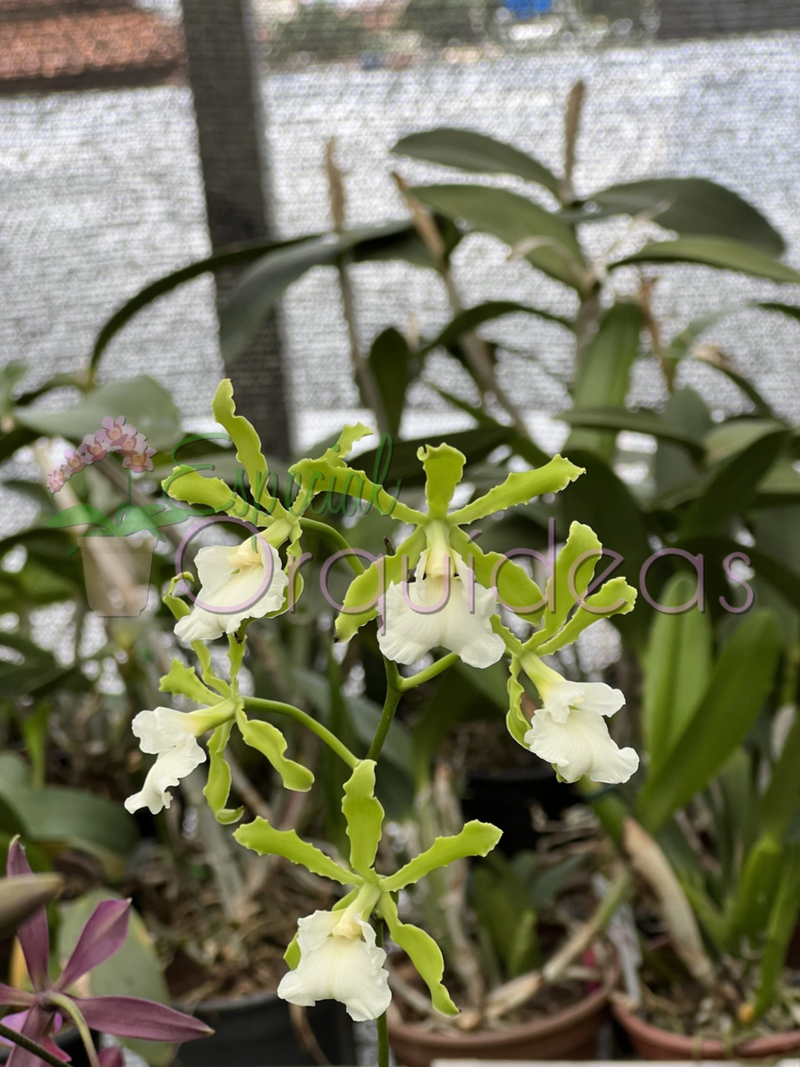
(334, 954)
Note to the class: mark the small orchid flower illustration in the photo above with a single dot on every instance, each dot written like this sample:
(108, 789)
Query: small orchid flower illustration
(136, 454)
(56, 479)
(97, 445)
(75, 460)
(118, 432)
(42, 1010)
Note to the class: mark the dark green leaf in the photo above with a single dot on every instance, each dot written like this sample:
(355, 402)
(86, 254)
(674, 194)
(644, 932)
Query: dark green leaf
(389, 360)
(474, 152)
(694, 207)
(470, 319)
(714, 252)
(515, 220)
(642, 421)
(740, 683)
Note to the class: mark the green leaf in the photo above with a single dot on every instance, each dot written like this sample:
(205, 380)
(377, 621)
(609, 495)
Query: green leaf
(547, 242)
(264, 283)
(694, 207)
(133, 971)
(423, 952)
(782, 923)
(519, 488)
(503, 907)
(604, 371)
(10, 374)
(732, 486)
(443, 467)
(714, 252)
(364, 815)
(739, 685)
(79, 820)
(144, 402)
(781, 798)
(618, 419)
(476, 839)
(218, 787)
(390, 362)
(761, 874)
(471, 318)
(259, 836)
(366, 588)
(244, 436)
(677, 669)
(475, 152)
(270, 742)
(183, 680)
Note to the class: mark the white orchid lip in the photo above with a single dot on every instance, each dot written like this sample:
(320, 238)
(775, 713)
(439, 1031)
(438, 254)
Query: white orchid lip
(170, 736)
(239, 582)
(339, 960)
(570, 731)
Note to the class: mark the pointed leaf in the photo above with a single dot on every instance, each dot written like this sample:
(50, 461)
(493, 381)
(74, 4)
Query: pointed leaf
(475, 152)
(476, 839)
(551, 244)
(423, 952)
(714, 252)
(471, 318)
(364, 815)
(694, 207)
(270, 742)
(617, 419)
(259, 836)
(443, 466)
(389, 360)
(677, 669)
(739, 685)
(519, 488)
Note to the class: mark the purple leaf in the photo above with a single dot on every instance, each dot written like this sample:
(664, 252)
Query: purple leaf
(33, 935)
(15, 998)
(132, 1017)
(103, 935)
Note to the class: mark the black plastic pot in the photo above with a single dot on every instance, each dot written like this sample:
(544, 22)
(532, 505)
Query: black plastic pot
(505, 798)
(257, 1031)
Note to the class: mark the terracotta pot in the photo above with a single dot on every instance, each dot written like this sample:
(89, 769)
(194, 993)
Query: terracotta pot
(570, 1034)
(652, 1043)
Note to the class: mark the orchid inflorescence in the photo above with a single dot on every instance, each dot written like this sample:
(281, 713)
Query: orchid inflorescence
(115, 435)
(452, 601)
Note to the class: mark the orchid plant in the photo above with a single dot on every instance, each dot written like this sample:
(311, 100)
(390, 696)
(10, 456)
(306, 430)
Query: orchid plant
(115, 436)
(453, 603)
(41, 1011)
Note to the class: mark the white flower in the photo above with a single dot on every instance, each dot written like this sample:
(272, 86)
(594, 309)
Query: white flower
(170, 735)
(436, 611)
(239, 583)
(339, 960)
(570, 730)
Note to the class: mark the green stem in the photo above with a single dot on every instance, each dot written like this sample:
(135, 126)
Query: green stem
(394, 691)
(335, 538)
(430, 672)
(279, 708)
(30, 1046)
(381, 1021)
(69, 1007)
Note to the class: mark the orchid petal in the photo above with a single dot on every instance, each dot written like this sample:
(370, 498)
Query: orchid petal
(103, 935)
(347, 969)
(14, 997)
(35, 1027)
(111, 1056)
(134, 1017)
(581, 745)
(33, 935)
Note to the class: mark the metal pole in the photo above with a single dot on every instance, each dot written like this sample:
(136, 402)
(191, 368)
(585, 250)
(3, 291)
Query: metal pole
(231, 124)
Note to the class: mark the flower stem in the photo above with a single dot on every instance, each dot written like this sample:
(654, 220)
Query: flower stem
(394, 690)
(433, 671)
(30, 1046)
(335, 538)
(69, 1007)
(333, 742)
(381, 1022)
